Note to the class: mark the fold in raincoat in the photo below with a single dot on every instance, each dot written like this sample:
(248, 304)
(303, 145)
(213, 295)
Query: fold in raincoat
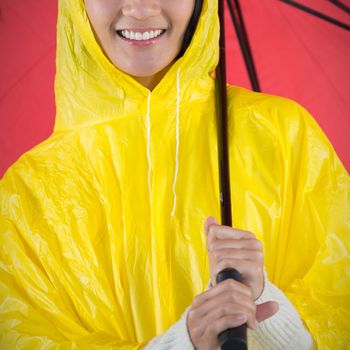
(102, 243)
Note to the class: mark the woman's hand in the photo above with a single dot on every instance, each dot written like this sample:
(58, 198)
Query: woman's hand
(229, 247)
(228, 304)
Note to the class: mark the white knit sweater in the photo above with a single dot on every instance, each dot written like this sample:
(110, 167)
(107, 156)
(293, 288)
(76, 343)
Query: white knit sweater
(283, 331)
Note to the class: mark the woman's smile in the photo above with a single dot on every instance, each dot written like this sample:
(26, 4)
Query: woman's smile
(141, 37)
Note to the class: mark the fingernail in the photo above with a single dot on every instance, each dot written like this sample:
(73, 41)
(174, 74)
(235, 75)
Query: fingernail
(256, 324)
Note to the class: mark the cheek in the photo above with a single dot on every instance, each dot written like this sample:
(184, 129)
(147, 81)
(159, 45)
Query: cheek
(185, 8)
(100, 13)
(181, 12)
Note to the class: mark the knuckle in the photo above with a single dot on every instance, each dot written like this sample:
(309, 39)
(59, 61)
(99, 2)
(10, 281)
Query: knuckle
(259, 256)
(211, 247)
(259, 244)
(247, 291)
(256, 244)
(251, 234)
(223, 310)
(232, 297)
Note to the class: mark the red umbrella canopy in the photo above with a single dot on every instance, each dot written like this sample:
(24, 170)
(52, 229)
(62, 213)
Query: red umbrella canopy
(300, 56)
(296, 54)
(27, 69)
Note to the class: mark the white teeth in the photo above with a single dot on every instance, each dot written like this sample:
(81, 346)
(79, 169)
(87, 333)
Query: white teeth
(126, 34)
(141, 36)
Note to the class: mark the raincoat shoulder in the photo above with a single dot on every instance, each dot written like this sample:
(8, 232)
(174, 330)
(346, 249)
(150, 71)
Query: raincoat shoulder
(287, 178)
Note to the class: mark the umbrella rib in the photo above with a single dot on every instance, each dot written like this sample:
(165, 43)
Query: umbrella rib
(239, 25)
(316, 13)
(341, 5)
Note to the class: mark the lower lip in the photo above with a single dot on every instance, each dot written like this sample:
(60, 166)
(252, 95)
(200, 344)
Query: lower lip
(142, 43)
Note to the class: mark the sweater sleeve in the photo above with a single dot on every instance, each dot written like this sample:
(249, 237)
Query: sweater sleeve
(284, 330)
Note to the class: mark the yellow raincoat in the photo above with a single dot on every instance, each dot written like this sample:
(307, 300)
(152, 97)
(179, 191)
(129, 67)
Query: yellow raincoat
(102, 243)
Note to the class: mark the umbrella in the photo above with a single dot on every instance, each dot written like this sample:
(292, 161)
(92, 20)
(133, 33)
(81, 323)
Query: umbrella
(297, 49)
(309, 67)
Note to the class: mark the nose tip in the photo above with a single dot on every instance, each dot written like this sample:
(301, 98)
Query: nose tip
(141, 9)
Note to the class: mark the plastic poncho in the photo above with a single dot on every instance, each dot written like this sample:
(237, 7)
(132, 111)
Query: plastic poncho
(102, 243)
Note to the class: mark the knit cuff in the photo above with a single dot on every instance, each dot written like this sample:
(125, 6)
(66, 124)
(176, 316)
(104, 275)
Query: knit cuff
(284, 330)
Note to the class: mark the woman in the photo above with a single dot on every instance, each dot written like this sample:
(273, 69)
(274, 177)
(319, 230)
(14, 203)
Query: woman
(102, 238)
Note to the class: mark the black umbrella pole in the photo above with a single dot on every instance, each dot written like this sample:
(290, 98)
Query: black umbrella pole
(233, 338)
(222, 128)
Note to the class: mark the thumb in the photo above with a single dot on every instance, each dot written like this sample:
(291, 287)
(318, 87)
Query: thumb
(266, 310)
(210, 221)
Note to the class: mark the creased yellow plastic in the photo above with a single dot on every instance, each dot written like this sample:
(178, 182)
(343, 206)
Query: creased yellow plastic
(91, 256)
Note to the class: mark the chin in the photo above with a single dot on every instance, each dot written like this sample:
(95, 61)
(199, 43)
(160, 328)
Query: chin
(144, 72)
(142, 68)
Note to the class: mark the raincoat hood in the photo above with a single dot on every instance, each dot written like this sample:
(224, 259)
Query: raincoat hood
(90, 89)
(102, 243)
